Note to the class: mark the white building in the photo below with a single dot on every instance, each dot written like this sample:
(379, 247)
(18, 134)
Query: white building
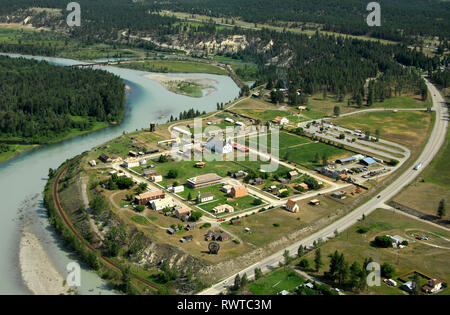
(156, 178)
(161, 204)
(204, 197)
(178, 189)
(292, 206)
(219, 146)
(130, 162)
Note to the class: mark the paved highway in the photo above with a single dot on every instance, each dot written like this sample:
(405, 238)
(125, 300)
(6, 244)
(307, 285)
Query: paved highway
(433, 145)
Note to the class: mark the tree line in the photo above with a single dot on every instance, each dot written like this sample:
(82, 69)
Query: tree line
(39, 100)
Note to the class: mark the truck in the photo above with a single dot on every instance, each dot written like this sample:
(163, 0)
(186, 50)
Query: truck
(419, 165)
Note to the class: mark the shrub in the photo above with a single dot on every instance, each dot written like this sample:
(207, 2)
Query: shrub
(392, 162)
(363, 229)
(387, 270)
(383, 241)
(304, 263)
(140, 208)
(172, 174)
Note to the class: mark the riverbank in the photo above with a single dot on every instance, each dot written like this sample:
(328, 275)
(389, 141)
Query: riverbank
(6, 156)
(38, 271)
(184, 85)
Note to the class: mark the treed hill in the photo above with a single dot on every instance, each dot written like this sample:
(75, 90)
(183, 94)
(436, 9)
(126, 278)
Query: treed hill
(401, 19)
(41, 102)
(398, 18)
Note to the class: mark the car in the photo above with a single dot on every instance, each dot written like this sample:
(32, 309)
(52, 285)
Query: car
(336, 290)
(378, 197)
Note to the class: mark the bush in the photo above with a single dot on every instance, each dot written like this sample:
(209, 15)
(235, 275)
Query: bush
(383, 241)
(172, 174)
(196, 215)
(363, 229)
(393, 162)
(206, 225)
(304, 263)
(257, 202)
(387, 270)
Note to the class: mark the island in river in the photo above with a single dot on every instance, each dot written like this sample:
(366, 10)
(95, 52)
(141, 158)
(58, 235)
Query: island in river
(53, 103)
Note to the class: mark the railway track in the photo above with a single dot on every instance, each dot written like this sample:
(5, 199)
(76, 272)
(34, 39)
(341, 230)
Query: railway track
(66, 220)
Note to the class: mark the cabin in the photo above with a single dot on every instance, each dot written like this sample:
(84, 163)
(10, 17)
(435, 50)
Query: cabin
(104, 158)
(181, 212)
(161, 204)
(222, 208)
(292, 206)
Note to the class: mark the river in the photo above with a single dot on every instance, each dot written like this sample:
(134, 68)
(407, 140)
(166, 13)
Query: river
(22, 179)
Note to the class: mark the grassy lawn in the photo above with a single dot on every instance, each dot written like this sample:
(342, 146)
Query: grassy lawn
(262, 114)
(220, 198)
(404, 102)
(174, 66)
(416, 256)
(262, 229)
(408, 128)
(438, 171)
(187, 169)
(432, 186)
(305, 154)
(14, 149)
(287, 140)
(140, 220)
(275, 282)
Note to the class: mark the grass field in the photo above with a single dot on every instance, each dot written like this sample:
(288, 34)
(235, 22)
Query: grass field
(262, 114)
(404, 102)
(409, 128)
(439, 169)
(305, 154)
(187, 169)
(432, 186)
(416, 256)
(174, 66)
(275, 282)
(263, 230)
(220, 198)
(285, 140)
(14, 149)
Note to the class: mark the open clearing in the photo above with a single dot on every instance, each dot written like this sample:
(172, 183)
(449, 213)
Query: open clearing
(416, 256)
(275, 282)
(174, 66)
(409, 128)
(305, 155)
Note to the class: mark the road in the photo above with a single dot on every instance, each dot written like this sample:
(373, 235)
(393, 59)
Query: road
(432, 147)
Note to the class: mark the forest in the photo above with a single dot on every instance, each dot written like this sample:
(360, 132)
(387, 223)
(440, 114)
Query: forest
(41, 102)
(401, 20)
